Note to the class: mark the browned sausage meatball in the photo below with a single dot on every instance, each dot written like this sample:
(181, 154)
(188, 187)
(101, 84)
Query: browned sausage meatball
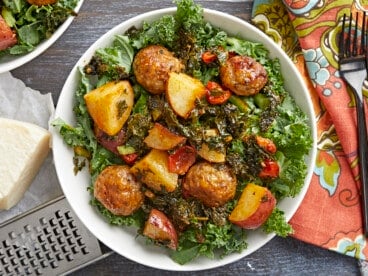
(214, 185)
(152, 65)
(243, 75)
(118, 190)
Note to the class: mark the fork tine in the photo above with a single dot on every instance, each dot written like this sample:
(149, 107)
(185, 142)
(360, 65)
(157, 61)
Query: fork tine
(348, 39)
(363, 35)
(355, 38)
(341, 39)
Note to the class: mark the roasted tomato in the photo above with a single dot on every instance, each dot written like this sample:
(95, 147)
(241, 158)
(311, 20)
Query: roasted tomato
(182, 159)
(7, 37)
(215, 94)
(270, 169)
(208, 57)
(130, 158)
(267, 144)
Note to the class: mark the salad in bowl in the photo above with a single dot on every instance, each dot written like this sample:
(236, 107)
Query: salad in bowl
(176, 131)
(29, 27)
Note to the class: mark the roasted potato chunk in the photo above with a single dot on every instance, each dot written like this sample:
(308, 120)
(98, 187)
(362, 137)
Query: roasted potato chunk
(211, 155)
(153, 170)
(159, 137)
(110, 105)
(182, 91)
(255, 205)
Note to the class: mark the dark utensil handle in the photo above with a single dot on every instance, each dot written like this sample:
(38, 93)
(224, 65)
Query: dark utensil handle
(363, 160)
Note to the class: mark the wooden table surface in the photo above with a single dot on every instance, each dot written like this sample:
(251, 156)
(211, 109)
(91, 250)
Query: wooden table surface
(47, 74)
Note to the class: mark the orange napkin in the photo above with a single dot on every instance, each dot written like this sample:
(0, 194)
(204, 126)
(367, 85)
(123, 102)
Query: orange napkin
(330, 214)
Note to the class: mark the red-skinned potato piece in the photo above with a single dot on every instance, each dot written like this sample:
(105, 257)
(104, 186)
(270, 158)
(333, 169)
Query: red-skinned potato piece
(255, 205)
(159, 228)
(110, 142)
(161, 138)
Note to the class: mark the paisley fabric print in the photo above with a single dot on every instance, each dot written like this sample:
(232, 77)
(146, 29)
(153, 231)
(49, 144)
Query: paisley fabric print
(328, 170)
(301, 6)
(317, 66)
(308, 31)
(352, 244)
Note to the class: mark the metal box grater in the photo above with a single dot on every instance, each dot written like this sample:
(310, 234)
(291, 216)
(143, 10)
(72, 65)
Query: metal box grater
(48, 240)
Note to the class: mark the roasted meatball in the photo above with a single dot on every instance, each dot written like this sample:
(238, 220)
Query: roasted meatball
(214, 185)
(118, 190)
(243, 75)
(152, 65)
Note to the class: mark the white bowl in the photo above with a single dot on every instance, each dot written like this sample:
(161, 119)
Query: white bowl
(123, 240)
(11, 62)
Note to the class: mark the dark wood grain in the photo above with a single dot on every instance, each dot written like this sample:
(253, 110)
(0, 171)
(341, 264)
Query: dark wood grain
(48, 72)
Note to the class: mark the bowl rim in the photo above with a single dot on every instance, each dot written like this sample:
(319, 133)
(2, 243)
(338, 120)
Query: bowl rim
(73, 76)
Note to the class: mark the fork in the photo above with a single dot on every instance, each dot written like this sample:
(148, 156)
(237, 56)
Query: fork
(353, 59)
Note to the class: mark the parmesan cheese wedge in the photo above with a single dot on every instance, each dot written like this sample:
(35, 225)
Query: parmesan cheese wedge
(23, 149)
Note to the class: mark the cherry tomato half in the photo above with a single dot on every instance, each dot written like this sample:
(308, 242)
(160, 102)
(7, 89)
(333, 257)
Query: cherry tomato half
(270, 169)
(215, 94)
(267, 144)
(208, 57)
(182, 159)
(130, 158)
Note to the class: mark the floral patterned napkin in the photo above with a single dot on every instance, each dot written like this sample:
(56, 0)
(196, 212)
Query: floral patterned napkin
(330, 214)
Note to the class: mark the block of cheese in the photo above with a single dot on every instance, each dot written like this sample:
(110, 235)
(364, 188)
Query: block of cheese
(23, 149)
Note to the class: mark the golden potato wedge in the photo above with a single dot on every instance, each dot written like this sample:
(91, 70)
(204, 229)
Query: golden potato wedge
(110, 105)
(255, 205)
(159, 137)
(211, 155)
(153, 170)
(182, 91)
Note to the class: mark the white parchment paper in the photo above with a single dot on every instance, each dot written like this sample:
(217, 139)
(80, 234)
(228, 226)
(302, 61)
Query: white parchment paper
(25, 104)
